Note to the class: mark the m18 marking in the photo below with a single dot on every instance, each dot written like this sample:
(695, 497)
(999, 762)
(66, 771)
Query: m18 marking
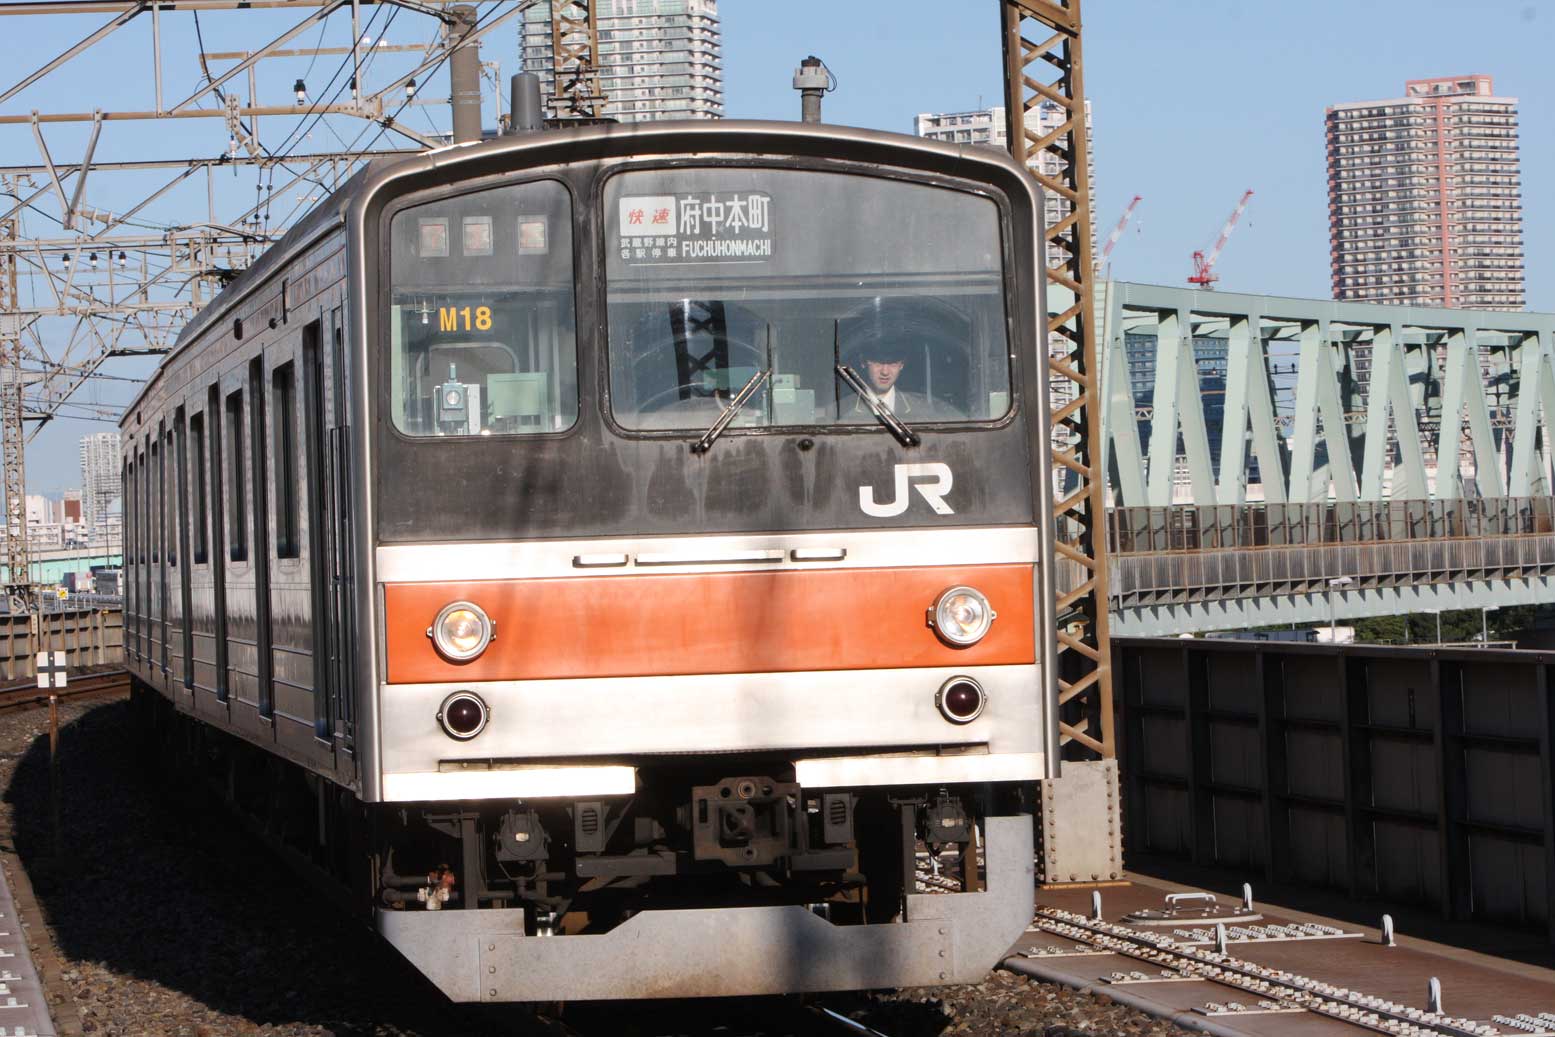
(448, 318)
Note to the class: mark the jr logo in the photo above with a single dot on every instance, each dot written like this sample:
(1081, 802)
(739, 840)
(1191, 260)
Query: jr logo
(911, 474)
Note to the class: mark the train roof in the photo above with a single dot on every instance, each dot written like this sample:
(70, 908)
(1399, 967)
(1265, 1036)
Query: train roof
(593, 141)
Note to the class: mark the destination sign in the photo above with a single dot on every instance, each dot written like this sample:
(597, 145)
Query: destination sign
(710, 227)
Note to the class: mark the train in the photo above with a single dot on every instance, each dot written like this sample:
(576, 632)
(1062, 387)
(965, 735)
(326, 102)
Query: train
(618, 558)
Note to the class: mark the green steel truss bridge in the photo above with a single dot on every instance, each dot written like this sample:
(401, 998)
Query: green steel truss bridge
(1277, 460)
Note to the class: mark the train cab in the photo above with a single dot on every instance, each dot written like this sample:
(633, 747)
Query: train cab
(710, 531)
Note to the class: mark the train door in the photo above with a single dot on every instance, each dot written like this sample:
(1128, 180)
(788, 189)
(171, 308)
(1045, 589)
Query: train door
(256, 446)
(143, 520)
(130, 534)
(218, 548)
(320, 584)
(336, 494)
(172, 628)
(160, 545)
(185, 591)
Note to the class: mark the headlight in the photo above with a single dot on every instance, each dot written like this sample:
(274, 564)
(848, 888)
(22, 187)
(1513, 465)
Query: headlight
(461, 631)
(961, 616)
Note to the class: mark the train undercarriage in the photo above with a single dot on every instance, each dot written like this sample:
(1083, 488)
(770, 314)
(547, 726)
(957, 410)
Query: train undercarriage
(720, 876)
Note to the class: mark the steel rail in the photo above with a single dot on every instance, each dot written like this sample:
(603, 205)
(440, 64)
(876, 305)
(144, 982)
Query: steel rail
(19, 696)
(1285, 989)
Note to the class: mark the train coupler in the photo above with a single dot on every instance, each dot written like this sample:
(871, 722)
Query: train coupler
(757, 821)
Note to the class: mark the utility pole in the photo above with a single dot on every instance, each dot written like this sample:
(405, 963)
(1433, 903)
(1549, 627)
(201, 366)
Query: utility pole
(575, 90)
(13, 445)
(1047, 68)
(1079, 819)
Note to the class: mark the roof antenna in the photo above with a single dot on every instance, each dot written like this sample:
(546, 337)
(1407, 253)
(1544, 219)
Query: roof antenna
(812, 79)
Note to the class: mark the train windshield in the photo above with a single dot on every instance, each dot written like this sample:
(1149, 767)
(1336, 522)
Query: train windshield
(719, 279)
(482, 320)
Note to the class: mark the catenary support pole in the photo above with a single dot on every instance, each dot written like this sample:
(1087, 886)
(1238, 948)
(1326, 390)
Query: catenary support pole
(465, 72)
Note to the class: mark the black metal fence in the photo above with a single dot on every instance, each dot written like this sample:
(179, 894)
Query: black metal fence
(1408, 775)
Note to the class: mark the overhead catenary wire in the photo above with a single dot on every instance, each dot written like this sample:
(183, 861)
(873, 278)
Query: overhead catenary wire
(299, 131)
(390, 119)
(83, 372)
(303, 128)
(222, 97)
(171, 275)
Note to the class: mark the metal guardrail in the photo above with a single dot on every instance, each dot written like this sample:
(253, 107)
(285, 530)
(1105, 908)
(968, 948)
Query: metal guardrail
(1146, 530)
(1175, 556)
(1181, 578)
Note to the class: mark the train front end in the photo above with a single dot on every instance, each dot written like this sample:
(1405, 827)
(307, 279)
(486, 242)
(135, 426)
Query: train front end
(710, 560)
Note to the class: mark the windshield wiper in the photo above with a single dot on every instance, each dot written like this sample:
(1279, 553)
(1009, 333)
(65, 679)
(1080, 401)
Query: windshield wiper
(740, 399)
(899, 429)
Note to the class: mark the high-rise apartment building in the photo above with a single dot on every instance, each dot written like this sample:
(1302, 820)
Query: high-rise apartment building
(986, 126)
(658, 59)
(100, 484)
(1424, 197)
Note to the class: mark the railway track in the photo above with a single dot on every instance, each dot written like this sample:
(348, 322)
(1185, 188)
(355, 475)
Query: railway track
(735, 1017)
(98, 684)
(1261, 990)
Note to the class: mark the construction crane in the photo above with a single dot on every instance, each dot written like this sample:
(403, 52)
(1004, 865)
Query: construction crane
(1117, 232)
(1204, 275)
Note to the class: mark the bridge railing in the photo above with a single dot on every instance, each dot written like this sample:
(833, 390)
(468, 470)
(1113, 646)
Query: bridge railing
(1145, 530)
(1166, 556)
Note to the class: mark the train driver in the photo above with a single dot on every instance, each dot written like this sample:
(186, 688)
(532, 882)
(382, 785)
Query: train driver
(881, 361)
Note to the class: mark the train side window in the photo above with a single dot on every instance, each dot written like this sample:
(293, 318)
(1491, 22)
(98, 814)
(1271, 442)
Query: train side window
(213, 408)
(156, 505)
(131, 527)
(145, 504)
(284, 451)
(258, 463)
(197, 436)
(218, 570)
(237, 528)
(180, 501)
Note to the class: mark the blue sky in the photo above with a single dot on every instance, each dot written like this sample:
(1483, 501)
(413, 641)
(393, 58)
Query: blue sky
(1193, 103)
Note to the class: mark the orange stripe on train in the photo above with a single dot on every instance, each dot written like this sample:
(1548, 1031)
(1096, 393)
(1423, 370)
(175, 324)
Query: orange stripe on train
(745, 622)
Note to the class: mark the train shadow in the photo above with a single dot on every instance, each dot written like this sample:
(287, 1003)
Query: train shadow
(162, 891)
(158, 887)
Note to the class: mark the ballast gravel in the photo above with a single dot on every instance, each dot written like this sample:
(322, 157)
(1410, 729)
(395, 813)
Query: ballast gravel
(154, 919)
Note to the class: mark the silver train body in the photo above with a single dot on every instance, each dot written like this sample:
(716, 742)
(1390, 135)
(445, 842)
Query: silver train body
(622, 553)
